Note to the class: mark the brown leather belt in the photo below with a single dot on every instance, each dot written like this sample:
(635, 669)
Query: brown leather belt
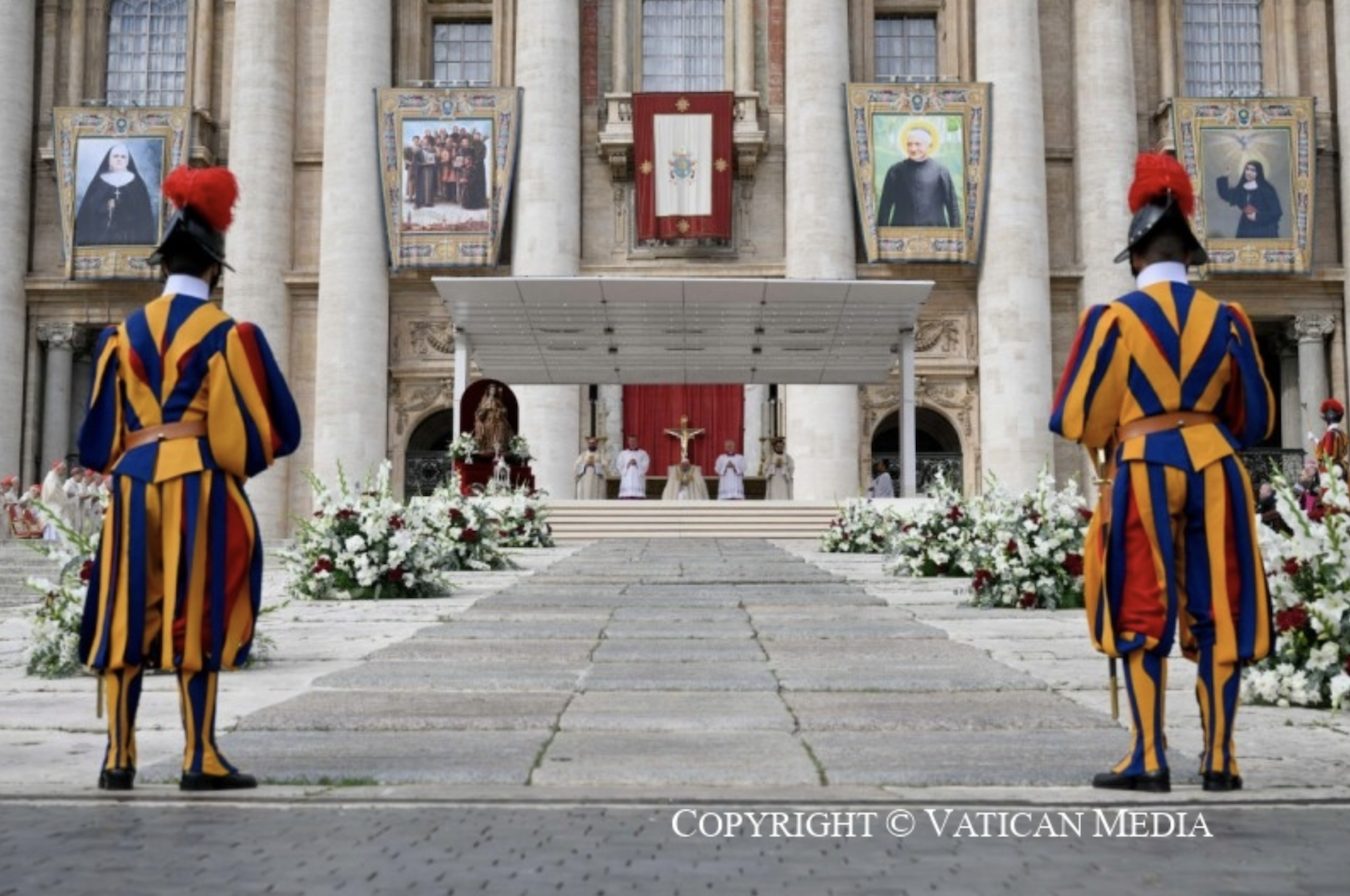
(184, 429)
(1161, 423)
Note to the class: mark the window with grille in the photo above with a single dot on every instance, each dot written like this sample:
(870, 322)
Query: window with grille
(462, 51)
(905, 48)
(1223, 47)
(683, 45)
(147, 52)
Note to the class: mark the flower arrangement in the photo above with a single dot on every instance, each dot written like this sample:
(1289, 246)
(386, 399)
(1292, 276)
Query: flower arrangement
(1308, 573)
(464, 447)
(56, 625)
(465, 530)
(935, 540)
(362, 543)
(862, 527)
(522, 520)
(1026, 550)
(518, 448)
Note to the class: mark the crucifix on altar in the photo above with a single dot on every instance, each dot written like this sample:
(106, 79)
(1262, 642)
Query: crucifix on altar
(685, 435)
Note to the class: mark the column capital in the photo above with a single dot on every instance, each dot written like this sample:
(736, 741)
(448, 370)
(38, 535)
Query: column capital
(1314, 326)
(57, 335)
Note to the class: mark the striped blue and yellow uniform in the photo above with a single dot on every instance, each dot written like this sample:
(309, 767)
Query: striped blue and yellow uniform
(1173, 544)
(178, 577)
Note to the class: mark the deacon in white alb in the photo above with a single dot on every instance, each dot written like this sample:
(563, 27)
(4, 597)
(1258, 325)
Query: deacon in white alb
(632, 464)
(778, 473)
(590, 472)
(730, 467)
(54, 499)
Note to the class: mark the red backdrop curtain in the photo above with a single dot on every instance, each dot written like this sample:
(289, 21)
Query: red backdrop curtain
(648, 411)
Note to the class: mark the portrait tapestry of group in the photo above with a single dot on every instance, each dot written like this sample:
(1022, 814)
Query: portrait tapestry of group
(447, 158)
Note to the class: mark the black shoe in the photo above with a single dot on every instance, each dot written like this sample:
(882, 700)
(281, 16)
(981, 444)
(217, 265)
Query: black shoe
(116, 778)
(1221, 781)
(1152, 782)
(202, 781)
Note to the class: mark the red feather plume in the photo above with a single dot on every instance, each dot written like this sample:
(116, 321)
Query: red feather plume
(1157, 176)
(1333, 406)
(210, 192)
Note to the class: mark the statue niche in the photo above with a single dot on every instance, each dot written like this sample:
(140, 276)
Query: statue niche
(489, 412)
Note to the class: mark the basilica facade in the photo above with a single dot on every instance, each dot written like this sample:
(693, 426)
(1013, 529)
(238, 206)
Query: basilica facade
(284, 93)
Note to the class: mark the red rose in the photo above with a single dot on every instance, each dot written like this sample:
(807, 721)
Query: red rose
(456, 518)
(87, 570)
(396, 522)
(982, 579)
(1316, 513)
(345, 513)
(1085, 513)
(1347, 665)
(1073, 564)
(954, 513)
(395, 574)
(469, 535)
(1011, 547)
(529, 513)
(1294, 618)
(323, 565)
(318, 514)
(1027, 601)
(1292, 566)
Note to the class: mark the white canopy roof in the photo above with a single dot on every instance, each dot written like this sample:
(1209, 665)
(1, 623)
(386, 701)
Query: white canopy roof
(573, 330)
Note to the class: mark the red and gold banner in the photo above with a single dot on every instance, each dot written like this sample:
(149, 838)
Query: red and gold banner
(682, 157)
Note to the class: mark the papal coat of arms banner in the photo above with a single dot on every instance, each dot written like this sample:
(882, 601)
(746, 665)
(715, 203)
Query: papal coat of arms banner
(447, 160)
(682, 155)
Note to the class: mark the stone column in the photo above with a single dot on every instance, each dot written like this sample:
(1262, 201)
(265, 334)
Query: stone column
(611, 398)
(1291, 410)
(547, 235)
(753, 432)
(823, 423)
(59, 340)
(352, 339)
(1167, 52)
(745, 51)
(1342, 54)
(81, 383)
(76, 51)
(1107, 143)
(1312, 331)
(262, 149)
(621, 53)
(203, 43)
(17, 40)
(1014, 289)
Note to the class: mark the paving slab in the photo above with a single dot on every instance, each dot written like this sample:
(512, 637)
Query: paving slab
(975, 758)
(676, 711)
(666, 759)
(679, 614)
(843, 675)
(499, 628)
(403, 757)
(409, 711)
(705, 676)
(879, 651)
(515, 675)
(1011, 711)
(728, 628)
(506, 648)
(676, 650)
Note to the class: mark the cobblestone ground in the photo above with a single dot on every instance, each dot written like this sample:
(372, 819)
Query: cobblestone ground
(463, 849)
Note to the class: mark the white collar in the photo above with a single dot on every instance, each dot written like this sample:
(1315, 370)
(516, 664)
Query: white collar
(117, 178)
(1161, 271)
(187, 285)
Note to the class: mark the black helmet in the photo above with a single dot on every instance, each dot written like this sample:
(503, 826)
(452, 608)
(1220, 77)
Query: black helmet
(204, 199)
(1162, 199)
(1152, 220)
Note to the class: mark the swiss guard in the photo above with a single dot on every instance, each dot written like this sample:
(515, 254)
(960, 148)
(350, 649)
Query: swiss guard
(1333, 449)
(1166, 382)
(186, 405)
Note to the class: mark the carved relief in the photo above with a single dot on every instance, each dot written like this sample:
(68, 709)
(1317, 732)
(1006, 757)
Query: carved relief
(431, 338)
(411, 399)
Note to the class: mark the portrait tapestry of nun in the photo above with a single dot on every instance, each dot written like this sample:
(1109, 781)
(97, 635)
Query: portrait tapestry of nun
(1257, 202)
(116, 208)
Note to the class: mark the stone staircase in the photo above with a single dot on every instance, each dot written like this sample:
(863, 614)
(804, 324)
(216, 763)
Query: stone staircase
(18, 561)
(584, 520)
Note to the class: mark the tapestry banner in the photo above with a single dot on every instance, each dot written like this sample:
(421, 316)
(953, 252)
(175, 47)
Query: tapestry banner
(683, 155)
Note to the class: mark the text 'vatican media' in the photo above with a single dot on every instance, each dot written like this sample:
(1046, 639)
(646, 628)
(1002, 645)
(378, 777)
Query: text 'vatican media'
(969, 824)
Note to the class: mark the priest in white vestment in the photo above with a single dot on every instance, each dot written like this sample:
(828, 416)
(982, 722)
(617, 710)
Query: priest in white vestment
(684, 482)
(590, 473)
(778, 473)
(632, 465)
(9, 499)
(54, 499)
(730, 467)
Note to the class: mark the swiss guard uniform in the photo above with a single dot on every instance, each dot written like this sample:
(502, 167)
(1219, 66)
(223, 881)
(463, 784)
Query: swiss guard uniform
(186, 405)
(1168, 382)
(1333, 449)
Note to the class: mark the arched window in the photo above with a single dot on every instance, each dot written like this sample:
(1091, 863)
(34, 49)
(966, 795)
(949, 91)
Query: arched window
(1223, 47)
(683, 45)
(147, 52)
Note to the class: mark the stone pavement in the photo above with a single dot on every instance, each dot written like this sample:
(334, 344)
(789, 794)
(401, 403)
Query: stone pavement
(541, 731)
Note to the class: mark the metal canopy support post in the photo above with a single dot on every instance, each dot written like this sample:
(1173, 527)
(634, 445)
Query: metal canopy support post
(908, 462)
(462, 349)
